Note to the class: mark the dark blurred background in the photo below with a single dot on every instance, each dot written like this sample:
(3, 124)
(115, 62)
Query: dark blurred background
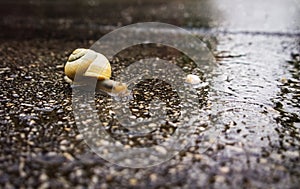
(60, 19)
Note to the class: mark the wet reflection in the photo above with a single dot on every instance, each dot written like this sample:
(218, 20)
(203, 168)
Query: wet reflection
(269, 15)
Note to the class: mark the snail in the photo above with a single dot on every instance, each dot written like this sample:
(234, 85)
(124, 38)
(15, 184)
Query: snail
(87, 63)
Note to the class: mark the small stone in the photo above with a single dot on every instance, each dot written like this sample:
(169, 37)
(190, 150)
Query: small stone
(109, 178)
(44, 185)
(78, 172)
(297, 125)
(67, 129)
(198, 156)
(220, 178)
(132, 117)
(275, 156)
(22, 135)
(5, 69)
(15, 95)
(32, 122)
(79, 137)
(172, 171)
(68, 156)
(152, 125)
(224, 169)
(263, 160)
(64, 142)
(127, 147)
(111, 112)
(63, 148)
(153, 177)
(28, 105)
(133, 181)
(161, 150)
(292, 154)
(43, 177)
(192, 79)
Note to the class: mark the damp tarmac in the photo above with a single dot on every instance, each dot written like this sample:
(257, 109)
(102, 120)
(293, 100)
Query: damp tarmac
(249, 132)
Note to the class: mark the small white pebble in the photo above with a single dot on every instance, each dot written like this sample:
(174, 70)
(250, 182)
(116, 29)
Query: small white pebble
(43, 177)
(153, 177)
(224, 169)
(161, 150)
(192, 79)
(68, 156)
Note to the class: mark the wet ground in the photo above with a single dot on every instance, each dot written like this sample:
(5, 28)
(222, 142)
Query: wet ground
(252, 100)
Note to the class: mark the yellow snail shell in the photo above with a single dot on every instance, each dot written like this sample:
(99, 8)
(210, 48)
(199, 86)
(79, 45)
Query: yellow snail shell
(88, 63)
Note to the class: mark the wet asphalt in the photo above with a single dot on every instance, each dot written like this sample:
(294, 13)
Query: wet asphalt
(251, 101)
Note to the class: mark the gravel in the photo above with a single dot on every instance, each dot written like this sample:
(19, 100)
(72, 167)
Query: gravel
(250, 104)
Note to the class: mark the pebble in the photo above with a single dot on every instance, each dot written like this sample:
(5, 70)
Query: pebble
(161, 150)
(43, 177)
(79, 137)
(224, 169)
(28, 105)
(263, 160)
(192, 79)
(15, 95)
(60, 111)
(63, 148)
(132, 117)
(292, 154)
(68, 156)
(44, 185)
(219, 178)
(153, 177)
(64, 142)
(5, 69)
(152, 125)
(133, 181)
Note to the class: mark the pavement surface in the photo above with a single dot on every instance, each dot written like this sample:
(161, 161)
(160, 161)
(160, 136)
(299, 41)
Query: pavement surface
(252, 100)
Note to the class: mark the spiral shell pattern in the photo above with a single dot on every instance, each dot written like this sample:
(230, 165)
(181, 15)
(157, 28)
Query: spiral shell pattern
(88, 63)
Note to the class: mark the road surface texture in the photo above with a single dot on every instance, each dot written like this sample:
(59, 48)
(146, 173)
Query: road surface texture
(252, 97)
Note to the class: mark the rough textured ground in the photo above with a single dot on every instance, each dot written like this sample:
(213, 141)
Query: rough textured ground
(253, 96)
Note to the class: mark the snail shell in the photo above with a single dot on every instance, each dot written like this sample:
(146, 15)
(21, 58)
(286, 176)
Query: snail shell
(88, 63)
